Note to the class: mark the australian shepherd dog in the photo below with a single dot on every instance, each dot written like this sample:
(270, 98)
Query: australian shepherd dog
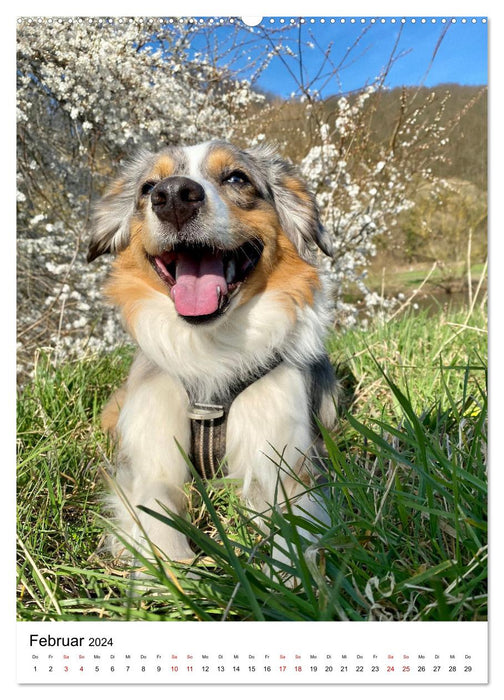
(216, 279)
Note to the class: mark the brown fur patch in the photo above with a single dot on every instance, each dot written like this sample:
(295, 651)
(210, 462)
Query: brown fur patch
(293, 274)
(297, 188)
(132, 278)
(116, 188)
(218, 160)
(301, 479)
(282, 270)
(164, 166)
(111, 410)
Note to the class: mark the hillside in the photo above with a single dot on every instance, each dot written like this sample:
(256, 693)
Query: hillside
(465, 118)
(464, 115)
(447, 128)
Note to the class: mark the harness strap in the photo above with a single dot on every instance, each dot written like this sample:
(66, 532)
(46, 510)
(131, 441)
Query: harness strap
(208, 438)
(209, 423)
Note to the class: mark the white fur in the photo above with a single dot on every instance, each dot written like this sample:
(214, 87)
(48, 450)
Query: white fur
(261, 436)
(151, 467)
(195, 155)
(212, 356)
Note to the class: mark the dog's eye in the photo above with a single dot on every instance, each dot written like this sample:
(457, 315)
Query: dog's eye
(147, 187)
(237, 177)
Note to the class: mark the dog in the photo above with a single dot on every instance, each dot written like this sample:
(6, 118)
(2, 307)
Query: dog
(217, 281)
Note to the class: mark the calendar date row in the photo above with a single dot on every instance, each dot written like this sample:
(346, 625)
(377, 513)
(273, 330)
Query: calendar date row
(269, 668)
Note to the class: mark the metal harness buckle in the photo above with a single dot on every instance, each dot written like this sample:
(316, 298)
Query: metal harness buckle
(205, 411)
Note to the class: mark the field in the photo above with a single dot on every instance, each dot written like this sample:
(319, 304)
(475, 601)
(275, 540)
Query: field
(407, 497)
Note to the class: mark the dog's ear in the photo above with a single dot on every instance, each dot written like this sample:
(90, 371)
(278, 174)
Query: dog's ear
(295, 204)
(111, 219)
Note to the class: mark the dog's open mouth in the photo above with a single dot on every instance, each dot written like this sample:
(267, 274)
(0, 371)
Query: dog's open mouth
(202, 280)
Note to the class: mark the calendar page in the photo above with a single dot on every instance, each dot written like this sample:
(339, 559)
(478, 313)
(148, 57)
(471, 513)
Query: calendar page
(252, 350)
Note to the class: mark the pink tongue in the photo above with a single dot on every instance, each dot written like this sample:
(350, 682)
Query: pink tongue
(196, 292)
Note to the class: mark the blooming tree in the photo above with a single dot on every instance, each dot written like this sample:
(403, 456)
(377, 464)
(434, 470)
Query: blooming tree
(362, 191)
(89, 93)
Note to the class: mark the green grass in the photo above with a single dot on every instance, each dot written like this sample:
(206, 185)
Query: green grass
(429, 285)
(407, 498)
(409, 277)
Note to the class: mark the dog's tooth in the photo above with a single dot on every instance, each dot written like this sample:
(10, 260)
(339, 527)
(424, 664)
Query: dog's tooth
(231, 271)
(220, 296)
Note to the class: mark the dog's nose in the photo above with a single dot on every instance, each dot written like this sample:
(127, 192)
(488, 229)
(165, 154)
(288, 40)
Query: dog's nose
(177, 199)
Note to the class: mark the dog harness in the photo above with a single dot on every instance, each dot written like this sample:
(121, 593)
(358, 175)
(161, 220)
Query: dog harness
(209, 423)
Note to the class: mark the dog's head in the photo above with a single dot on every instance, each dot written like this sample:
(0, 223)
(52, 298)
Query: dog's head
(208, 224)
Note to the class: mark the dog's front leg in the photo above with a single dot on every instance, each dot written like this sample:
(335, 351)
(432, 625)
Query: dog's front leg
(270, 448)
(151, 470)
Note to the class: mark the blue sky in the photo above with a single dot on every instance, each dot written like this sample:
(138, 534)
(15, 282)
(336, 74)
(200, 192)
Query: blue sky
(461, 56)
